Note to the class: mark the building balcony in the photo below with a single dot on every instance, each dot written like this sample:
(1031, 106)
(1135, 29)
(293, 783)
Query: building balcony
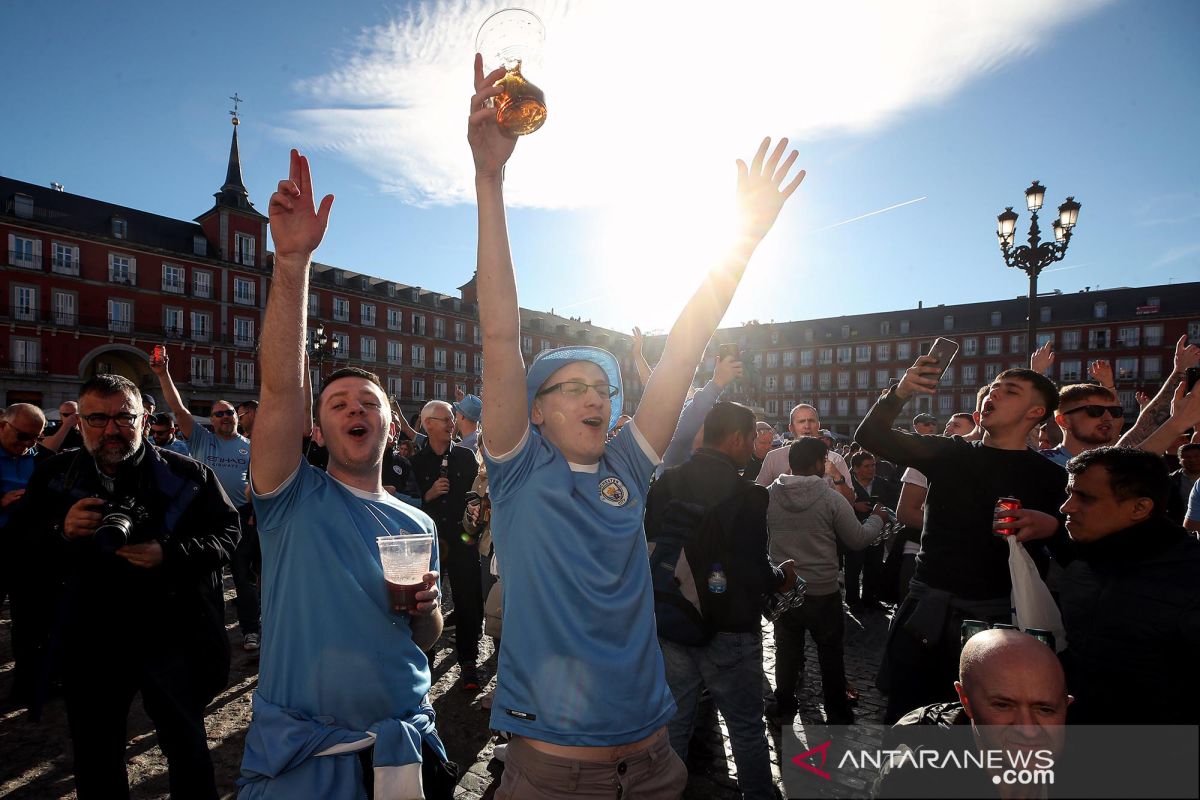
(26, 260)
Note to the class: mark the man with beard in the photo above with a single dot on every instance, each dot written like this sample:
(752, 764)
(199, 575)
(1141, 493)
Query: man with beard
(342, 702)
(227, 453)
(162, 434)
(132, 538)
(1089, 416)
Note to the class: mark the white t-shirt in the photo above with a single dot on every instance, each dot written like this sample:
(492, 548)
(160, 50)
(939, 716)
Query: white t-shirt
(776, 464)
(916, 478)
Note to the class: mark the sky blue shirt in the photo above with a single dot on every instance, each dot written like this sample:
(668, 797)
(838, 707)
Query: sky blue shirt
(331, 645)
(1059, 455)
(179, 446)
(1193, 509)
(579, 661)
(14, 474)
(229, 458)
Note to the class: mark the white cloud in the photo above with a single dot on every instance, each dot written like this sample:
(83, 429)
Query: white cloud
(653, 100)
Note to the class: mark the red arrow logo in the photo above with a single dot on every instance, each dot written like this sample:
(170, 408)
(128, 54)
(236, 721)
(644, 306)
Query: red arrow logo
(802, 760)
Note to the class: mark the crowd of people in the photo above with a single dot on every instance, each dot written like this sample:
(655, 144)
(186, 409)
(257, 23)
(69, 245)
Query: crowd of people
(629, 560)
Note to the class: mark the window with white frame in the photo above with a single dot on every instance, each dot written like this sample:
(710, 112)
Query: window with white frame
(991, 370)
(439, 328)
(967, 403)
(418, 324)
(120, 228)
(843, 355)
(1128, 336)
(366, 313)
(845, 331)
(774, 337)
(23, 206)
(1043, 338)
(885, 328)
(993, 345)
(24, 252)
(883, 352)
(477, 334)
(199, 245)
(945, 404)
(395, 352)
(947, 378)
(395, 386)
(26, 356)
(439, 358)
(881, 378)
(861, 406)
(460, 361)
(201, 283)
(862, 352)
(903, 351)
(341, 309)
(823, 406)
(527, 345)
(1193, 332)
(1069, 370)
(1070, 340)
(1126, 369)
(1098, 339)
(478, 364)
(173, 279)
(806, 358)
(243, 374)
(1044, 313)
(1100, 310)
(1154, 335)
(948, 322)
(825, 381)
(771, 383)
(903, 326)
(996, 318)
(65, 308)
(243, 332)
(395, 319)
(202, 370)
(173, 322)
(970, 374)
(773, 360)
(366, 348)
(460, 331)
(862, 379)
(789, 383)
(342, 340)
(970, 346)
(243, 249)
(439, 390)
(1152, 367)
(25, 303)
(418, 357)
(1016, 343)
(806, 381)
(314, 304)
(843, 380)
(120, 316)
(843, 406)
(772, 408)
(122, 269)
(757, 360)
(64, 259)
(789, 358)
(201, 326)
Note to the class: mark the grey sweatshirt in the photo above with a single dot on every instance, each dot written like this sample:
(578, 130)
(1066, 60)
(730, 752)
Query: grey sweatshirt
(803, 518)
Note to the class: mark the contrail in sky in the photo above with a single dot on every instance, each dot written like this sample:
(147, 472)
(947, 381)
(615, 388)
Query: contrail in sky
(1062, 269)
(869, 214)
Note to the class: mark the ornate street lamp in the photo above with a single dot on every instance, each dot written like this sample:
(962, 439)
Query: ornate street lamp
(1032, 258)
(322, 344)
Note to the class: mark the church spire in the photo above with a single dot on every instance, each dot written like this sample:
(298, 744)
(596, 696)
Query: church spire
(234, 193)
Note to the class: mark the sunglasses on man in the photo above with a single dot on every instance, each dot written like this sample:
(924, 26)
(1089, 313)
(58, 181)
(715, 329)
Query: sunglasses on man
(1096, 412)
(220, 414)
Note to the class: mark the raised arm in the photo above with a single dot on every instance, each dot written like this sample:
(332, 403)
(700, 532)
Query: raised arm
(692, 416)
(504, 404)
(1185, 416)
(1155, 413)
(284, 405)
(639, 357)
(761, 194)
(183, 417)
(875, 432)
(55, 441)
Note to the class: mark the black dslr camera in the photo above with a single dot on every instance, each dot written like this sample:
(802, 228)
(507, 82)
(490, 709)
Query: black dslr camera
(120, 523)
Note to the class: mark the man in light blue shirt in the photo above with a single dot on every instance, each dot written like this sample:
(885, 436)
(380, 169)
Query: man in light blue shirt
(581, 679)
(162, 433)
(1089, 416)
(343, 676)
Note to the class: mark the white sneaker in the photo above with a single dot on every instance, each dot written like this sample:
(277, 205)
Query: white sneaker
(251, 642)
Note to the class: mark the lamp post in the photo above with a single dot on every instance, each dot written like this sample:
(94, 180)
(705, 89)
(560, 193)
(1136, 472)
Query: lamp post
(320, 345)
(1037, 255)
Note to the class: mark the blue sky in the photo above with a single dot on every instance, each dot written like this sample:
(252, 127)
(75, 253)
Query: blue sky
(955, 106)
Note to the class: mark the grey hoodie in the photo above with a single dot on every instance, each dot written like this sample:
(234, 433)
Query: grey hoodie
(803, 518)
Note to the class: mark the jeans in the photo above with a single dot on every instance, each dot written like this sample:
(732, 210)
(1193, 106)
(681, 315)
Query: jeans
(868, 563)
(821, 616)
(246, 566)
(730, 665)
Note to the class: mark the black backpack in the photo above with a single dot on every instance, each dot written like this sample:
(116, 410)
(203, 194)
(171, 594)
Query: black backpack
(690, 540)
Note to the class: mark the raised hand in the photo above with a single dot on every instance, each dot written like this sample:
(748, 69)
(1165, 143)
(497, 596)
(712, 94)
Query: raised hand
(1102, 371)
(296, 228)
(728, 369)
(921, 378)
(760, 197)
(1142, 398)
(1042, 358)
(638, 340)
(490, 146)
(1186, 355)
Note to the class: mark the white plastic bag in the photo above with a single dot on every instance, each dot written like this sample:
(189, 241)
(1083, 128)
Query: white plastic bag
(1032, 604)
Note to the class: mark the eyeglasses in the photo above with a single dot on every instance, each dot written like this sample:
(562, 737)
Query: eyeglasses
(1096, 412)
(102, 420)
(219, 414)
(579, 389)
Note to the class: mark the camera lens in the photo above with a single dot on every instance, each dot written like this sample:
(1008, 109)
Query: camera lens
(113, 532)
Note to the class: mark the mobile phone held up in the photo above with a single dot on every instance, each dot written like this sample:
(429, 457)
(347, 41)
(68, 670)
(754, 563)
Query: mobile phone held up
(944, 350)
(1192, 376)
(728, 351)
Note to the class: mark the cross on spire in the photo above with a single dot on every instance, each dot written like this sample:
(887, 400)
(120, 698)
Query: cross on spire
(234, 113)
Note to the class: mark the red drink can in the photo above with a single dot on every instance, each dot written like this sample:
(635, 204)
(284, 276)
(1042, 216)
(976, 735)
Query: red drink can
(1003, 505)
(159, 353)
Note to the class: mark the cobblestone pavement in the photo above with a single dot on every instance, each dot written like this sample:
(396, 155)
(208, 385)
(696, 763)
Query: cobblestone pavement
(35, 756)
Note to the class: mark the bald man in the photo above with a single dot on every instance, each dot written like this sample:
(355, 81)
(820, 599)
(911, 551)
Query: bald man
(1012, 694)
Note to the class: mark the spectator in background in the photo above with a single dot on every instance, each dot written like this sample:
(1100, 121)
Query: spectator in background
(924, 424)
(960, 424)
(805, 422)
(467, 412)
(764, 441)
(64, 435)
(870, 492)
(162, 434)
(1182, 481)
(1089, 417)
(246, 412)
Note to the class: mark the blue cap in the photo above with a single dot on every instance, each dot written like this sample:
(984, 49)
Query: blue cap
(550, 361)
(470, 407)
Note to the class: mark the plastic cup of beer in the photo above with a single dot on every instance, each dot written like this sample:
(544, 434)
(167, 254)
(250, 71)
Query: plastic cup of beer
(513, 39)
(405, 560)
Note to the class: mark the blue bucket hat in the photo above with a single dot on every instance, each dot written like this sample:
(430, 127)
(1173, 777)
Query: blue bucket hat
(550, 361)
(470, 407)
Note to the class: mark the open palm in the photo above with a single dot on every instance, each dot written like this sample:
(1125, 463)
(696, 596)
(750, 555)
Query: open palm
(760, 197)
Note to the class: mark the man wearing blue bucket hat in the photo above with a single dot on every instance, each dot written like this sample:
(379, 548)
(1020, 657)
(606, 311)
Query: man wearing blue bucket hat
(467, 412)
(582, 686)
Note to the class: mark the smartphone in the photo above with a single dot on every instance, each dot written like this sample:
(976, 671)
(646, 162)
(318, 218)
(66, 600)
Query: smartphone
(728, 351)
(1191, 376)
(472, 497)
(944, 350)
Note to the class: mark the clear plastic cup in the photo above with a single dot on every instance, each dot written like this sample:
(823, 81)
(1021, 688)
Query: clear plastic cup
(405, 560)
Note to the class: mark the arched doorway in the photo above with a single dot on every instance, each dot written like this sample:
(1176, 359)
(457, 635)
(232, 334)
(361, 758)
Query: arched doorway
(118, 359)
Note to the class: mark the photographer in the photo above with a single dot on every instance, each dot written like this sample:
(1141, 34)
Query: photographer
(131, 540)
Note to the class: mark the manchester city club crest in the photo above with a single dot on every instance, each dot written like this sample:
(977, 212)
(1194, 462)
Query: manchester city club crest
(613, 492)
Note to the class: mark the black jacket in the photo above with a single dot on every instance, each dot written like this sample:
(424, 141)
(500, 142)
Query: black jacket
(706, 479)
(105, 604)
(447, 510)
(1131, 608)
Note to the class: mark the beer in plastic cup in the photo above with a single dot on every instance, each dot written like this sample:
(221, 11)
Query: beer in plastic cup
(405, 560)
